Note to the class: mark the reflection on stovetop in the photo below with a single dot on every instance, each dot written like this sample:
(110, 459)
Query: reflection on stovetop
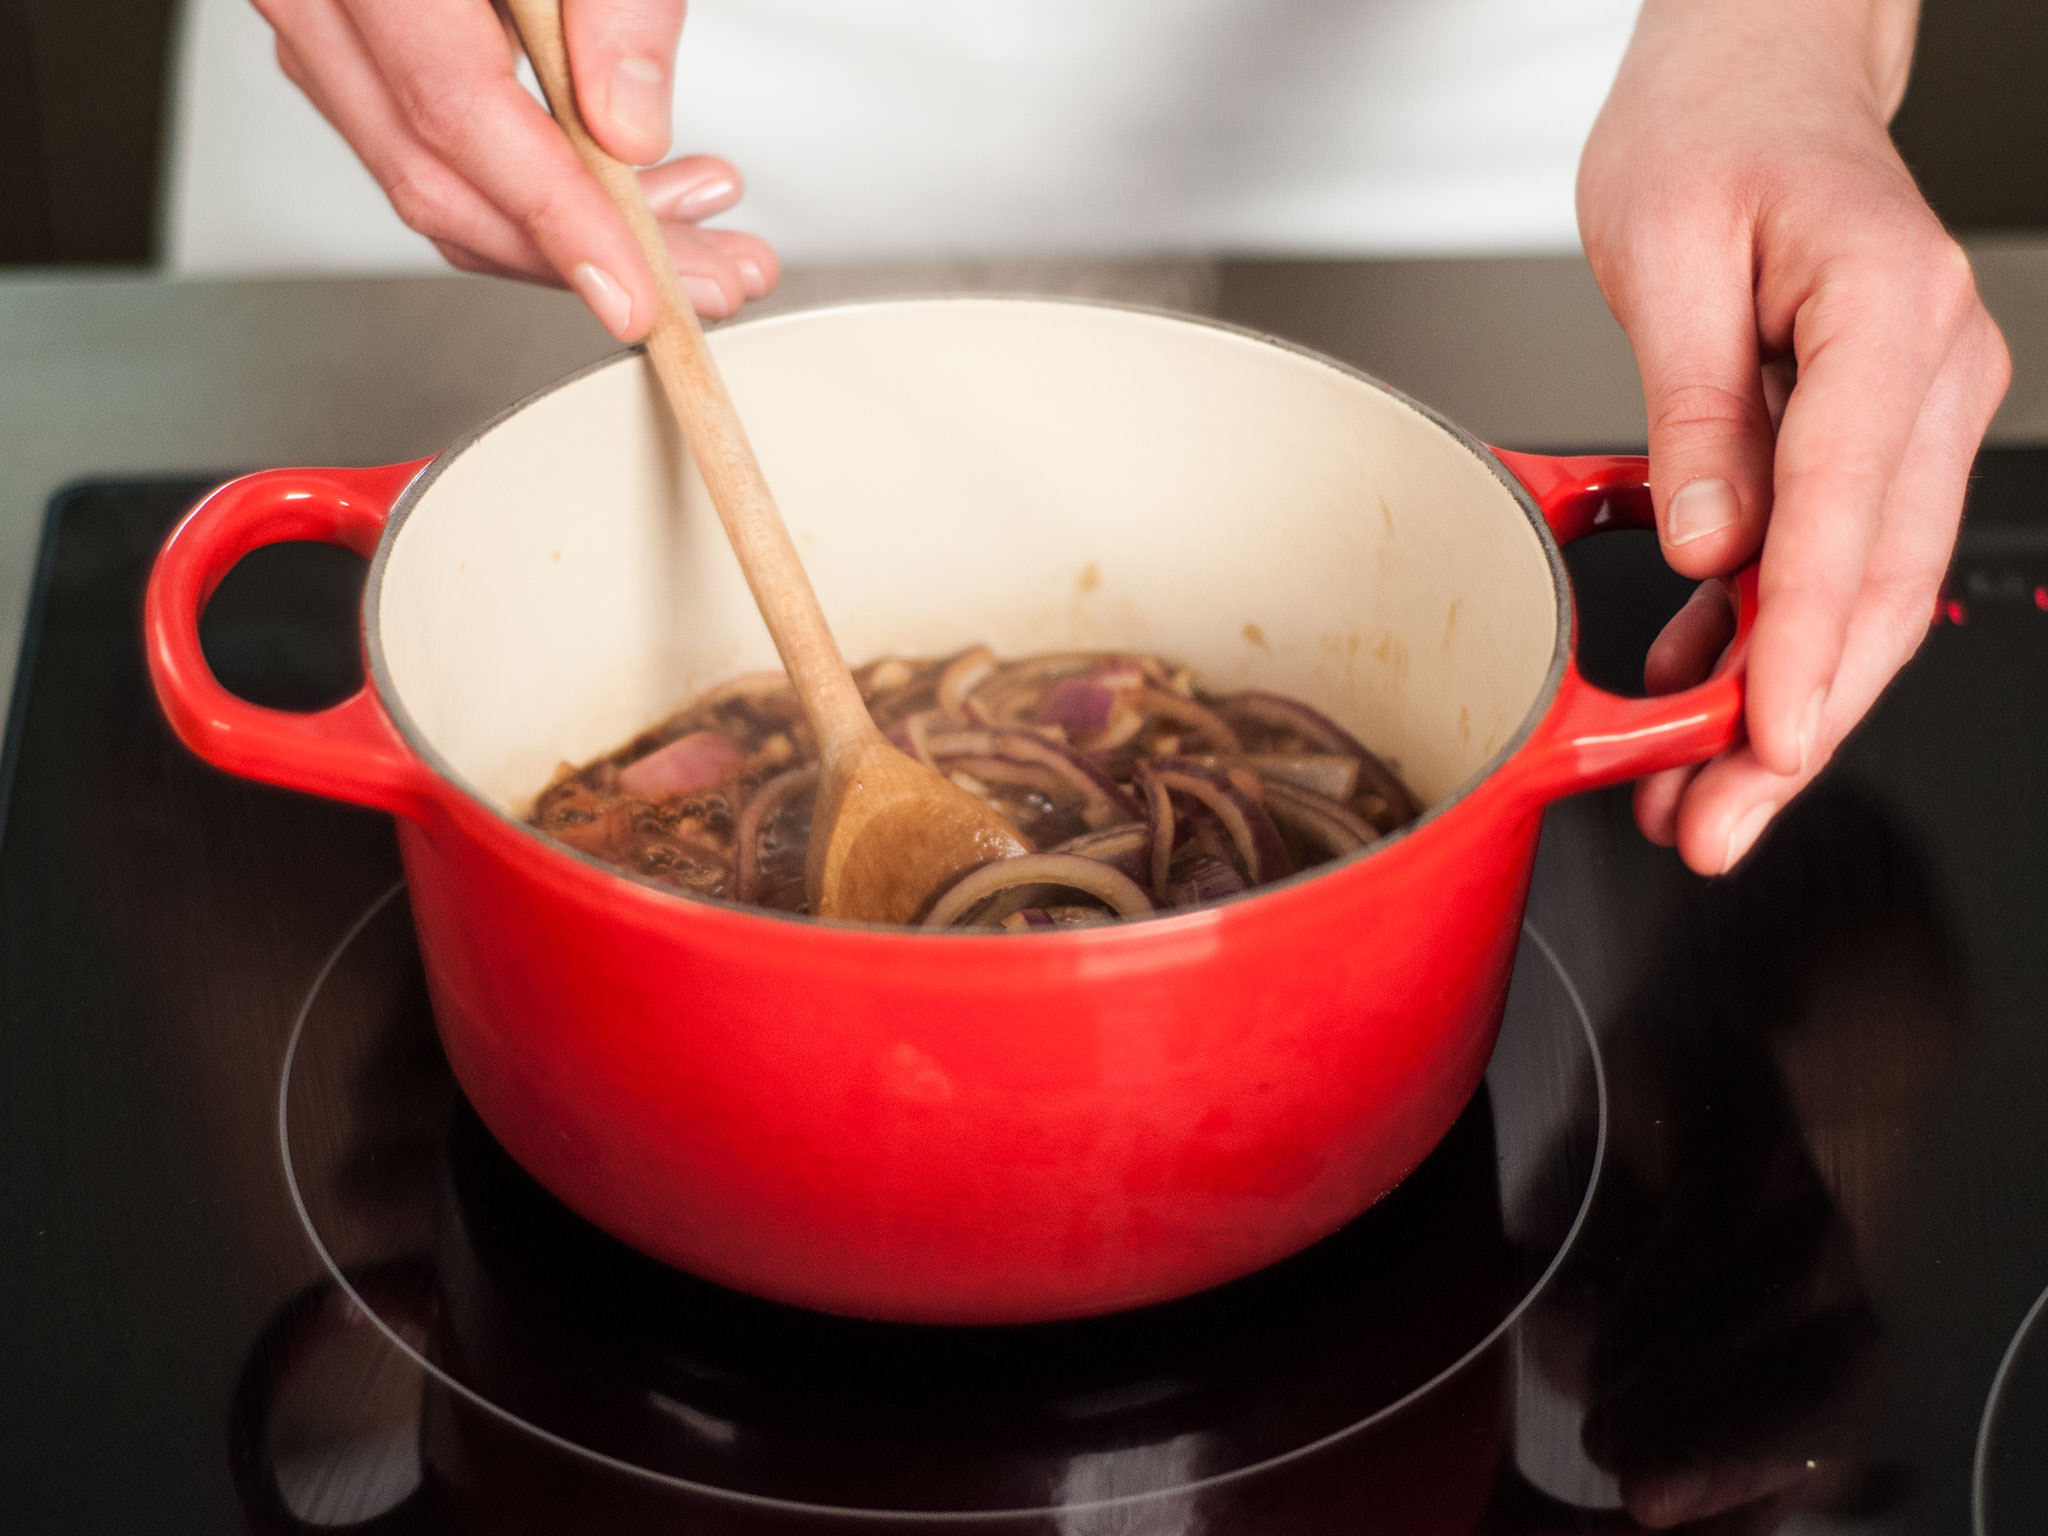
(1794, 1016)
(1818, 1224)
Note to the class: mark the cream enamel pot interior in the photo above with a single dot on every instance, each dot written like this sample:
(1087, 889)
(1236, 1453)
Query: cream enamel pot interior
(955, 1127)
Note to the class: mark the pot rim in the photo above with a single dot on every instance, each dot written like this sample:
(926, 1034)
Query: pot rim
(417, 742)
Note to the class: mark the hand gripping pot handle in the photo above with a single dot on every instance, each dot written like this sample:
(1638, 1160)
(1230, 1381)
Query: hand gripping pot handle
(351, 751)
(1592, 737)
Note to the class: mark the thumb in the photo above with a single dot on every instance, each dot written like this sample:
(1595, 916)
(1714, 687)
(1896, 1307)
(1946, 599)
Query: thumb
(622, 59)
(1694, 333)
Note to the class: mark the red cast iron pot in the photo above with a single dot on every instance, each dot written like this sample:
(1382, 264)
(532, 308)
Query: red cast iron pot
(957, 1127)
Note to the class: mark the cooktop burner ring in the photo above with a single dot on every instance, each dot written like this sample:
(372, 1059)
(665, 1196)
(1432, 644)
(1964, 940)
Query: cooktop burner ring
(339, 1276)
(1987, 1423)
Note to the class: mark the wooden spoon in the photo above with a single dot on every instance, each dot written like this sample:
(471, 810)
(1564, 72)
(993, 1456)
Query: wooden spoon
(888, 833)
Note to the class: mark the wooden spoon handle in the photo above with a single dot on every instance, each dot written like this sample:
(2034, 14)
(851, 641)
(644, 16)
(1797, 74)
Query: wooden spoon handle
(782, 590)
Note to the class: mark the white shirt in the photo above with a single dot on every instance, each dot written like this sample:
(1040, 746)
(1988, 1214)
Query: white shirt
(934, 128)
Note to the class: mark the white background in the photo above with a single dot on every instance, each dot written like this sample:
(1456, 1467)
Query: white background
(940, 128)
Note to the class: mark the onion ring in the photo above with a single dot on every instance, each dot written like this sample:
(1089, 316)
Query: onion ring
(1026, 747)
(1277, 712)
(961, 676)
(1328, 823)
(1261, 853)
(1113, 889)
(1212, 726)
(1122, 847)
(762, 807)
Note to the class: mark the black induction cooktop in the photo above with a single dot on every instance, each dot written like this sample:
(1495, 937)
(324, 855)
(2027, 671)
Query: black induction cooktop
(1749, 1222)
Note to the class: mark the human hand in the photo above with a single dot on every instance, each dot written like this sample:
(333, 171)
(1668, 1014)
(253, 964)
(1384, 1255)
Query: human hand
(1751, 225)
(425, 93)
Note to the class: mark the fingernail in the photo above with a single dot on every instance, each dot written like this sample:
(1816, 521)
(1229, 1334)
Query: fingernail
(612, 305)
(640, 103)
(1745, 832)
(706, 297)
(1701, 507)
(1809, 727)
(751, 275)
(704, 199)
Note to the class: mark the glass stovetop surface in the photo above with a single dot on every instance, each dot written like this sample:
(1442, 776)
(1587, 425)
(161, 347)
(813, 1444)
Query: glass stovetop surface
(1752, 1215)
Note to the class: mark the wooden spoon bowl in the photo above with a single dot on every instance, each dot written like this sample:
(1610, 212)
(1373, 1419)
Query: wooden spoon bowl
(899, 836)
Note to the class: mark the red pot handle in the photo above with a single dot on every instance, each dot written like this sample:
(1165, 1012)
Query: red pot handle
(350, 752)
(1592, 737)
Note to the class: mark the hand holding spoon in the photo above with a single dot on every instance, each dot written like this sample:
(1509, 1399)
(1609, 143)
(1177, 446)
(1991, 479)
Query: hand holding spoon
(888, 833)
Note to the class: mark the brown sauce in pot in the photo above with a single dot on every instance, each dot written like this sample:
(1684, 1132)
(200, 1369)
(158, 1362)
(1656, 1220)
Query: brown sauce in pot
(1137, 790)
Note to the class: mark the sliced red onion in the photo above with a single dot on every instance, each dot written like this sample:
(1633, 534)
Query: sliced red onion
(1125, 674)
(1402, 807)
(1317, 819)
(1257, 841)
(1198, 717)
(912, 734)
(1079, 916)
(1064, 870)
(1159, 812)
(1070, 916)
(1123, 847)
(1247, 782)
(1205, 832)
(884, 676)
(1326, 773)
(1108, 800)
(1203, 878)
(748, 685)
(684, 766)
(1099, 712)
(762, 807)
(1077, 706)
(917, 690)
(1311, 725)
(1279, 713)
(1005, 698)
(1125, 722)
(962, 675)
(1029, 918)
(1050, 782)
(1375, 811)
